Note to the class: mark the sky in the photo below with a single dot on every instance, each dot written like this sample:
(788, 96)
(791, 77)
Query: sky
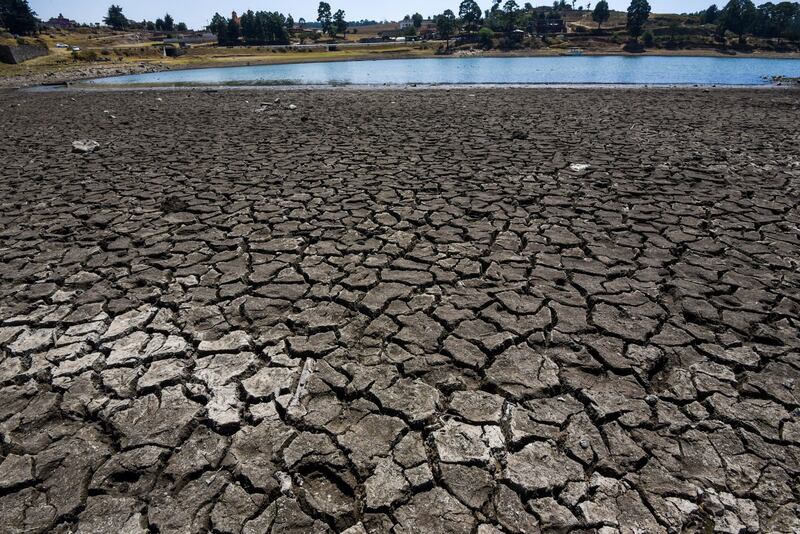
(197, 13)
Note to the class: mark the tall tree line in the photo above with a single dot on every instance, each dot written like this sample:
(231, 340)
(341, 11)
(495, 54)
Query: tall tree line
(117, 20)
(741, 17)
(253, 27)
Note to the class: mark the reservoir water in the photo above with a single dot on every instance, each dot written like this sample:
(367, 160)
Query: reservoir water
(652, 70)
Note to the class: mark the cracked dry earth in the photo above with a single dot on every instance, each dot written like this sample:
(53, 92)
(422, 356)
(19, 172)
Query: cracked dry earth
(392, 311)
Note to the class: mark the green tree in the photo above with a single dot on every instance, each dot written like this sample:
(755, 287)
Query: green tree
(232, 32)
(160, 24)
(264, 27)
(289, 21)
(764, 24)
(783, 14)
(339, 23)
(219, 27)
(17, 17)
(601, 14)
(511, 10)
(710, 15)
(485, 37)
(324, 17)
(470, 13)
(493, 18)
(775, 20)
(446, 26)
(169, 23)
(115, 18)
(416, 19)
(793, 31)
(248, 26)
(638, 13)
(738, 16)
(181, 27)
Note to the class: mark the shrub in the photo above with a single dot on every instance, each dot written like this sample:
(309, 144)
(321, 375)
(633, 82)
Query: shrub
(506, 43)
(85, 55)
(485, 38)
(648, 38)
(633, 46)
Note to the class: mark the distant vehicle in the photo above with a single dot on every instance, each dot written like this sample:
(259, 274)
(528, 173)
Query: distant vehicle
(76, 49)
(61, 45)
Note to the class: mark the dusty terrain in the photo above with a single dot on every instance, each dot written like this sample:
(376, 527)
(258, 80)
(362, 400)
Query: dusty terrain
(400, 311)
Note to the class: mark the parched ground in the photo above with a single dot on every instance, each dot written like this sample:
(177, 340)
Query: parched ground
(400, 311)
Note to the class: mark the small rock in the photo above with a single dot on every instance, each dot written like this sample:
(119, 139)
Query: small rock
(236, 341)
(84, 146)
(286, 483)
(292, 107)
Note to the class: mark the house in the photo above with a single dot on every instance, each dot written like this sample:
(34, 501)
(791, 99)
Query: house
(406, 23)
(61, 23)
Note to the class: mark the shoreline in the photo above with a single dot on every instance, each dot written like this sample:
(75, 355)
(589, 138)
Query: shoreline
(777, 82)
(78, 88)
(75, 75)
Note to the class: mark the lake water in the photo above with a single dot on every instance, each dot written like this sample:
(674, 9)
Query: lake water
(651, 70)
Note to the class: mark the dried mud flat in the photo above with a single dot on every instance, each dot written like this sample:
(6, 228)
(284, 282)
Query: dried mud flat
(402, 311)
